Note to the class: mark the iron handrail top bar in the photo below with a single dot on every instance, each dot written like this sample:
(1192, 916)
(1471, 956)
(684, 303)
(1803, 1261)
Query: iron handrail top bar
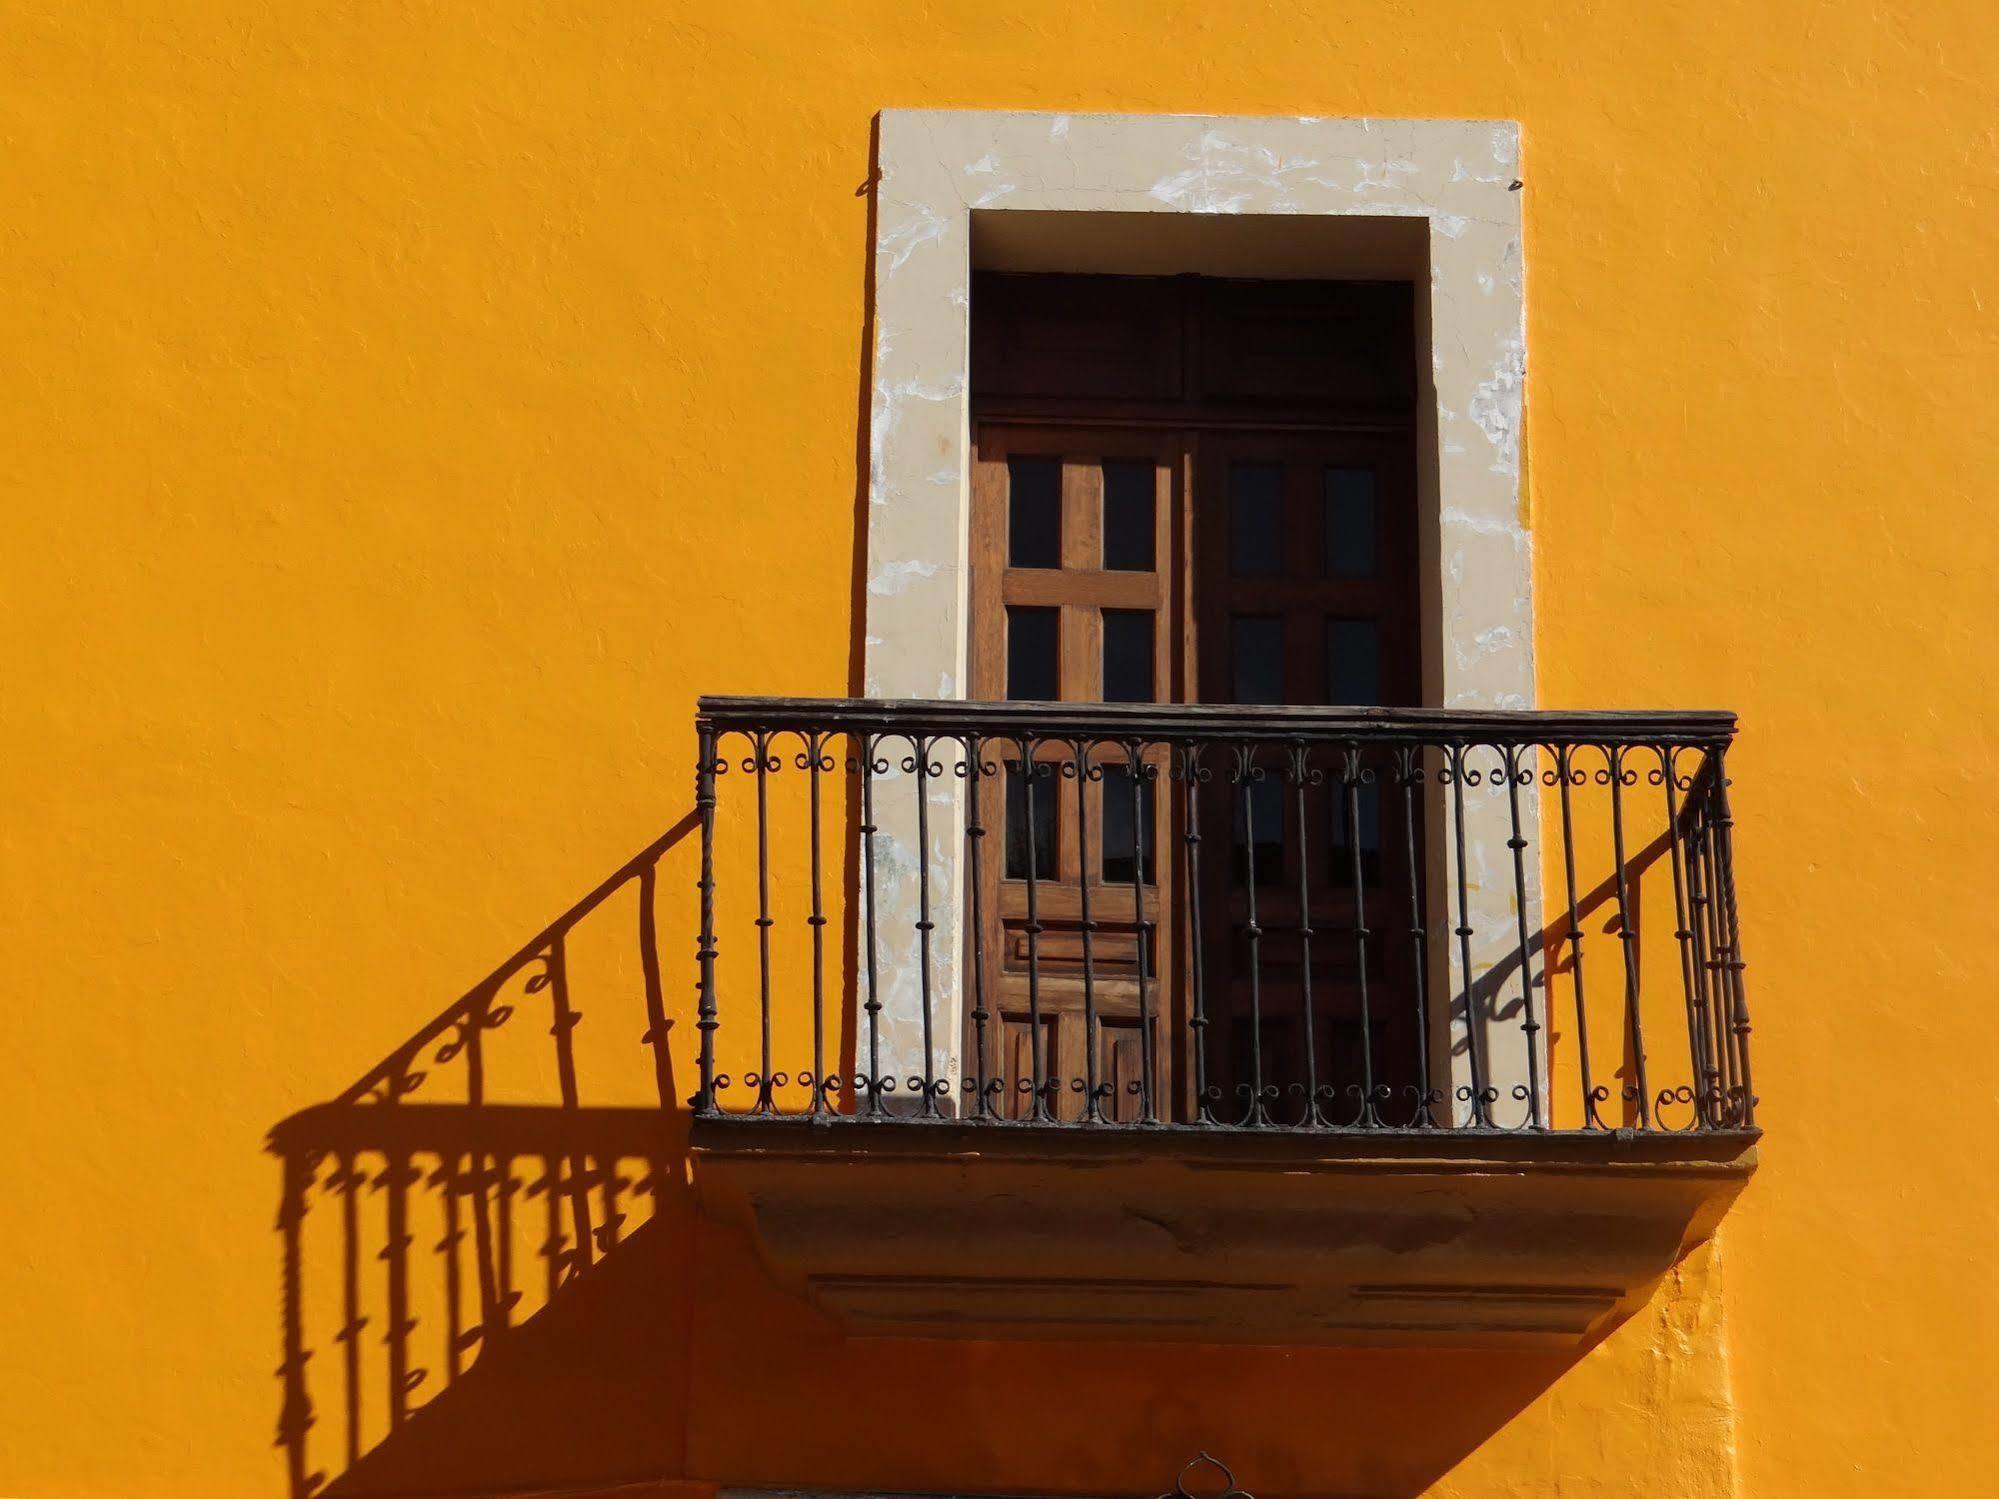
(1191, 721)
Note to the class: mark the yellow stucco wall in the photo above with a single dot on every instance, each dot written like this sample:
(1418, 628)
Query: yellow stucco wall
(409, 410)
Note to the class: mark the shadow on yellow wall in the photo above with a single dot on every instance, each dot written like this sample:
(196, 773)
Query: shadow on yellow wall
(495, 1280)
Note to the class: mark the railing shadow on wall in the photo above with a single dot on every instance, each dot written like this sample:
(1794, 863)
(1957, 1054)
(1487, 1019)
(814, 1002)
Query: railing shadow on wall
(477, 1293)
(1495, 994)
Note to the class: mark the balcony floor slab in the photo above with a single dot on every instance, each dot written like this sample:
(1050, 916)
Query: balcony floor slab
(908, 1228)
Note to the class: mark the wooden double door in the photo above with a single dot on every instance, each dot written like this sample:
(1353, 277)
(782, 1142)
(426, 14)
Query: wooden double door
(1135, 565)
(1195, 491)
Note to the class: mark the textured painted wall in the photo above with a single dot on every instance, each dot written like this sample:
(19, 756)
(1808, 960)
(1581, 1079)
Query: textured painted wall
(409, 411)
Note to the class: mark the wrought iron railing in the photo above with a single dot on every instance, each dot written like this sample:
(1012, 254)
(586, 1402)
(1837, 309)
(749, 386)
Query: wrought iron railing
(1213, 917)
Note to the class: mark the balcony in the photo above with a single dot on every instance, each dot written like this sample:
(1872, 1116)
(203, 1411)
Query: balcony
(1267, 1025)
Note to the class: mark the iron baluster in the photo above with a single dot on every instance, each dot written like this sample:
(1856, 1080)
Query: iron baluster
(1566, 776)
(920, 747)
(1029, 769)
(975, 835)
(1529, 1027)
(1192, 774)
(761, 745)
(1475, 1091)
(815, 750)
(1250, 775)
(1628, 936)
(1351, 775)
(871, 892)
(1092, 1036)
(1300, 770)
(1140, 845)
(1409, 772)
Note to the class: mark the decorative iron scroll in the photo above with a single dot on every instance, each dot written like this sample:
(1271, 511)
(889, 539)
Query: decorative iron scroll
(1228, 1489)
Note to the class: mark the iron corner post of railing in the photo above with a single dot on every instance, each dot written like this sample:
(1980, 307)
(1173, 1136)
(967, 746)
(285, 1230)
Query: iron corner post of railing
(705, 768)
(1724, 825)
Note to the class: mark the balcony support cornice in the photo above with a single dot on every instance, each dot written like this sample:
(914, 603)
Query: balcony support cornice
(1186, 1234)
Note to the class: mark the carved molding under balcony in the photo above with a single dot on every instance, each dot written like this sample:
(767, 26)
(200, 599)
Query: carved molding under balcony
(904, 1229)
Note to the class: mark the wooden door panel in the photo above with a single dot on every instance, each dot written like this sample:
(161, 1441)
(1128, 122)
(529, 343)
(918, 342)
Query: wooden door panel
(1326, 344)
(1288, 581)
(1054, 337)
(1110, 578)
(1013, 1060)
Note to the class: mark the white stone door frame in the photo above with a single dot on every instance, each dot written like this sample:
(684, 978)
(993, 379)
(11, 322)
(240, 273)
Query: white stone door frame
(936, 170)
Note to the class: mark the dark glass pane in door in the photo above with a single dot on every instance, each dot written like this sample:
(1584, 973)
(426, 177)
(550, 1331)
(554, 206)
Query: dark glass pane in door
(1367, 806)
(1045, 793)
(1033, 654)
(1353, 663)
(1350, 523)
(1259, 827)
(1256, 520)
(1128, 518)
(1256, 658)
(1033, 512)
(1122, 852)
(1128, 656)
